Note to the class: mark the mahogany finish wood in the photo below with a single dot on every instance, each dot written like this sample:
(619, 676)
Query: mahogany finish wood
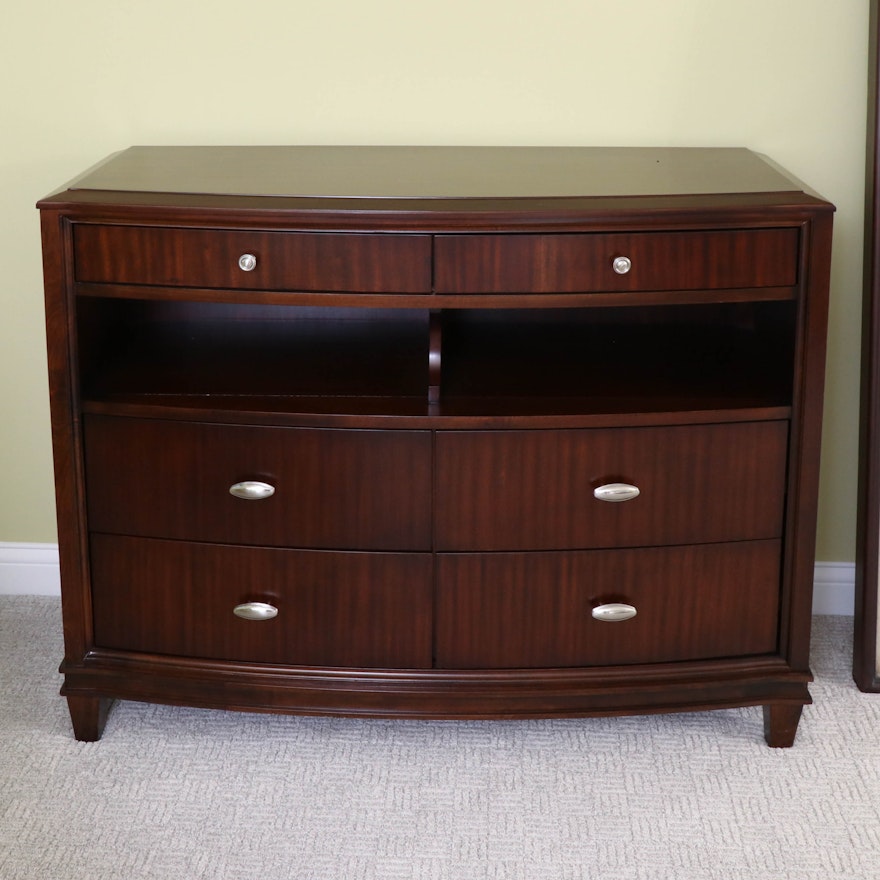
(88, 715)
(361, 490)
(223, 350)
(334, 609)
(534, 490)
(434, 364)
(436, 174)
(781, 723)
(509, 610)
(284, 260)
(670, 358)
(576, 263)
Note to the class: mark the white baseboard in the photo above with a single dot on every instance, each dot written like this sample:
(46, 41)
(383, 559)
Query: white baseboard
(29, 569)
(834, 588)
(32, 569)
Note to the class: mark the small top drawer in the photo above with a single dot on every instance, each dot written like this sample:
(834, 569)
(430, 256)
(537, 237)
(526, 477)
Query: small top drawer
(346, 489)
(584, 263)
(255, 260)
(543, 490)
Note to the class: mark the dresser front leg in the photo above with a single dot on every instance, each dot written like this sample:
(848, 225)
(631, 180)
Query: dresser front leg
(781, 723)
(88, 716)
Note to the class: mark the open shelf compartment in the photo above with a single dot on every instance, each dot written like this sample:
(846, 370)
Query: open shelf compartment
(495, 362)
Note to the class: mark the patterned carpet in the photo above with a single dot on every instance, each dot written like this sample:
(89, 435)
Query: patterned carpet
(179, 794)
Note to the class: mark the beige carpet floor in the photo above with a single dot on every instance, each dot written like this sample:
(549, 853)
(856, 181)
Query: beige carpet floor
(175, 794)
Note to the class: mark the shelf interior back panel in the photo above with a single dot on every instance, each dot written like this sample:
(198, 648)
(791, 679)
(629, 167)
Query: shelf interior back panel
(215, 349)
(501, 362)
(620, 358)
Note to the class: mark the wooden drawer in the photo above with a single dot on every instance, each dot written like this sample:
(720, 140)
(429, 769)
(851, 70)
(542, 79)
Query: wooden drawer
(581, 263)
(356, 489)
(510, 610)
(334, 609)
(534, 490)
(295, 261)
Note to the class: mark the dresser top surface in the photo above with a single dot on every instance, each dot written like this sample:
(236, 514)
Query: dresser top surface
(372, 172)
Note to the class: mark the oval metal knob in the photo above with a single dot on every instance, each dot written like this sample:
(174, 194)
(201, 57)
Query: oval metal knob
(621, 265)
(614, 612)
(252, 490)
(255, 611)
(616, 492)
(247, 262)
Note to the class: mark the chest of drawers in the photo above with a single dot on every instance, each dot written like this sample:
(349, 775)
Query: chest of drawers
(437, 432)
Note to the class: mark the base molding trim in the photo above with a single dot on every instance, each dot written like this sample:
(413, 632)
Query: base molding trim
(32, 570)
(29, 570)
(834, 588)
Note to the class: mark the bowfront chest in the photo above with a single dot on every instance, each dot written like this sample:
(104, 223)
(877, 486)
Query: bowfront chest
(437, 432)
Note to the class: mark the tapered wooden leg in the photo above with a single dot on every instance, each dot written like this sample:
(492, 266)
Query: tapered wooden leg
(88, 715)
(781, 723)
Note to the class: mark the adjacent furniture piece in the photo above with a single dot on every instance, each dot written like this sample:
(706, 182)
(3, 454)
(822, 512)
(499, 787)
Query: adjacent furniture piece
(866, 657)
(437, 432)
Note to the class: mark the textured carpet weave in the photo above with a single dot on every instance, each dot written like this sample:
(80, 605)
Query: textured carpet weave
(174, 794)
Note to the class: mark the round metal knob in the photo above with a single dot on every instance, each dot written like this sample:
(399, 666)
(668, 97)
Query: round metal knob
(247, 262)
(252, 490)
(616, 492)
(621, 265)
(614, 612)
(255, 611)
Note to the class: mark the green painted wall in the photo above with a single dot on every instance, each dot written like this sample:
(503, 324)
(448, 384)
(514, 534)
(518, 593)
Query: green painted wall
(81, 80)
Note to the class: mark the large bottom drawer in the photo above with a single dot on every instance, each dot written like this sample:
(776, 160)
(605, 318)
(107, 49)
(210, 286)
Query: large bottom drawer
(497, 610)
(334, 609)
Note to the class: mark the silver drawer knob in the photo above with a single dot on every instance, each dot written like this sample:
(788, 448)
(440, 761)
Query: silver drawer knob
(252, 490)
(616, 492)
(255, 611)
(621, 265)
(614, 612)
(247, 262)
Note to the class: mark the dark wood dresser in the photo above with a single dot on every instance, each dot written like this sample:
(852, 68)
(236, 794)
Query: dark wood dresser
(437, 432)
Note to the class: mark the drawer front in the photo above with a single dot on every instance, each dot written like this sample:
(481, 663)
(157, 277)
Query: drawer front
(333, 609)
(583, 263)
(295, 261)
(332, 488)
(514, 610)
(536, 490)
